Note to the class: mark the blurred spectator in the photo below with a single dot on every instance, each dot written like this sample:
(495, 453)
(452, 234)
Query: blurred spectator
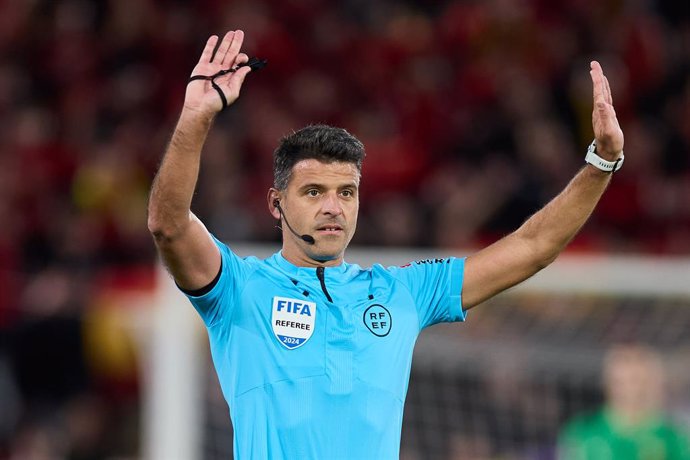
(632, 424)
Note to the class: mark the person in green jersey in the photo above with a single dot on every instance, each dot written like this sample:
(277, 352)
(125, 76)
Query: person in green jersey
(632, 424)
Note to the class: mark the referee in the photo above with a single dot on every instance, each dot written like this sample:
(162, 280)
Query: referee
(314, 354)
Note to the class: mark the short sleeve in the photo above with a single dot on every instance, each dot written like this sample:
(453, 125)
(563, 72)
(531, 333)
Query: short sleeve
(436, 286)
(218, 302)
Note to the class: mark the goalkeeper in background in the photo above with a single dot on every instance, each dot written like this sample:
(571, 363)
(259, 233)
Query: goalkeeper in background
(314, 354)
(632, 424)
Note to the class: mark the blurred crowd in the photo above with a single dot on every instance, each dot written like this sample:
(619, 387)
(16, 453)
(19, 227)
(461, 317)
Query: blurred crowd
(473, 114)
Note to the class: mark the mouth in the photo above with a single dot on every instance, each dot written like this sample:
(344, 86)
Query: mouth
(330, 229)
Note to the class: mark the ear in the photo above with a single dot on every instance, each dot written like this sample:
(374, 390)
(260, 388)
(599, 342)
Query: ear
(273, 198)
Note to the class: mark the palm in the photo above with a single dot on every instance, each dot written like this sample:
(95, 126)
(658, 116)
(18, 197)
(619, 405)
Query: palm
(200, 95)
(607, 131)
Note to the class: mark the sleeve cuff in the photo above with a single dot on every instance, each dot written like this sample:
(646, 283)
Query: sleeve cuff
(457, 273)
(206, 289)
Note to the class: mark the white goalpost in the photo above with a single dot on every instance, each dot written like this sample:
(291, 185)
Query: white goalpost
(543, 339)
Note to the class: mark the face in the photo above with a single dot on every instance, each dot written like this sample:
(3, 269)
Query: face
(634, 380)
(321, 200)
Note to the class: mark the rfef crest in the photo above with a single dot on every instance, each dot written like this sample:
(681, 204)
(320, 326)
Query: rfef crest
(378, 320)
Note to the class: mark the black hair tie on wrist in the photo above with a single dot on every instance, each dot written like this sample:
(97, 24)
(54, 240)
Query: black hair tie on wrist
(254, 63)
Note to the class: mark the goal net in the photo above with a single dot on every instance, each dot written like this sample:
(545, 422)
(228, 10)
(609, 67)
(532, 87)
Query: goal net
(501, 385)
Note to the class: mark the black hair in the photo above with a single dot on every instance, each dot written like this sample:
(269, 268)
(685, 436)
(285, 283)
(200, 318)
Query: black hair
(321, 142)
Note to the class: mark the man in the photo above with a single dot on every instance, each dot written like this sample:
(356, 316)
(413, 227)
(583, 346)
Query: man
(314, 354)
(632, 424)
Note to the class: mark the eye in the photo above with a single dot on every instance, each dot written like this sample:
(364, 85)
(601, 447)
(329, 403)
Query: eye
(347, 193)
(312, 192)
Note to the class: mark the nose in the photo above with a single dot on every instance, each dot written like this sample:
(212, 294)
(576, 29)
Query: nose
(331, 205)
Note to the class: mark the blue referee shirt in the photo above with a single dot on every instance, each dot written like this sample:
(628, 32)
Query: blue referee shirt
(315, 362)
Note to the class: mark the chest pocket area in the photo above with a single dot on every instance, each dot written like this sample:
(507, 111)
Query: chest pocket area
(278, 338)
(386, 333)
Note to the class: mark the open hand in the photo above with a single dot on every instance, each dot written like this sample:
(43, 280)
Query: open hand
(607, 131)
(200, 95)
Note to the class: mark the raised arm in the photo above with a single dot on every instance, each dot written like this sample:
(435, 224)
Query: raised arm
(543, 236)
(183, 242)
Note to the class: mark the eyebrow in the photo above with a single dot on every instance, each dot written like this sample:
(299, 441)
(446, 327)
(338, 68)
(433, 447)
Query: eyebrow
(322, 186)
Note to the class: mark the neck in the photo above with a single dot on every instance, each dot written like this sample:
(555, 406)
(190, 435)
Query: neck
(302, 259)
(631, 416)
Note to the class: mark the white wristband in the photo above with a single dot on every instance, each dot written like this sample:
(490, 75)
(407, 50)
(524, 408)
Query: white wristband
(601, 164)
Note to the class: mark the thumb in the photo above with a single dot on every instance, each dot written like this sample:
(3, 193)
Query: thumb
(234, 83)
(231, 84)
(240, 75)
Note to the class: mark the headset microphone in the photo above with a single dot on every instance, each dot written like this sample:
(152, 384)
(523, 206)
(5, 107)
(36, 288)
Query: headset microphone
(307, 238)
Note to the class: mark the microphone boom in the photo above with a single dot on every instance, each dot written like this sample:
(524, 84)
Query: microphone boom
(306, 238)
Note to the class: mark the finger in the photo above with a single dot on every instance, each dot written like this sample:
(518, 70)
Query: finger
(234, 83)
(234, 48)
(223, 48)
(596, 66)
(207, 54)
(604, 113)
(603, 120)
(597, 80)
(598, 91)
(609, 96)
(238, 75)
(240, 59)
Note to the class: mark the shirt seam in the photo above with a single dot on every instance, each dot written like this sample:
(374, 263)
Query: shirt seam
(287, 379)
(414, 300)
(236, 296)
(385, 390)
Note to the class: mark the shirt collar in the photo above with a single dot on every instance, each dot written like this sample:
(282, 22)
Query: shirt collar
(294, 270)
